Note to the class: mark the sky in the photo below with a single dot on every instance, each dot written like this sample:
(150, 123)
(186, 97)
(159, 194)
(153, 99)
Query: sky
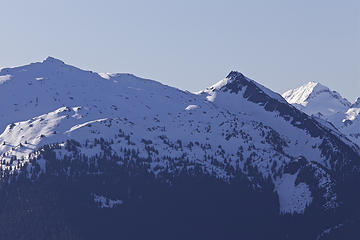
(191, 44)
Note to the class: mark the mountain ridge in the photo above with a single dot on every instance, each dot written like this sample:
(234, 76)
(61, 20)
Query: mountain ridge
(59, 117)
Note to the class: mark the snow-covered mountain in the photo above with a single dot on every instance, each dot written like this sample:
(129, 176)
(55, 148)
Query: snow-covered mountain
(54, 110)
(236, 122)
(315, 99)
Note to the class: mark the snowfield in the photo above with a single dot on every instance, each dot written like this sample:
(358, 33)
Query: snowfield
(234, 125)
(318, 100)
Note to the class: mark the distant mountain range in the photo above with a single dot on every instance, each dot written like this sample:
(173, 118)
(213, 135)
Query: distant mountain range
(72, 127)
(315, 99)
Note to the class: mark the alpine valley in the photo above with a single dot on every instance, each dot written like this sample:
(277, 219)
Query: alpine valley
(88, 155)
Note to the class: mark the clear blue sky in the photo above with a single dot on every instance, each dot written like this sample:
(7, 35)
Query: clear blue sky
(192, 44)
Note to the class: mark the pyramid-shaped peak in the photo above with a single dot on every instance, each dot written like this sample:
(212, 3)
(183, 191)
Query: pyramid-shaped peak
(237, 83)
(316, 86)
(310, 91)
(301, 94)
(52, 60)
(233, 78)
(234, 75)
(313, 86)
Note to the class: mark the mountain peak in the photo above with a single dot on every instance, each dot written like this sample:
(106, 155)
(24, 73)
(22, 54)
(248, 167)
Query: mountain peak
(52, 60)
(302, 94)
(237, 83)
(316, 87)
(316, 99)
(232, 81)
(234, 75)
(310, 91)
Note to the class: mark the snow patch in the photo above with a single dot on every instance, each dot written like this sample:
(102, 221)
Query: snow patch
(293, 199)
(4, 78)
(85, 124)
(104, 75)
(352, 113)
(191, 107)
(105, 202)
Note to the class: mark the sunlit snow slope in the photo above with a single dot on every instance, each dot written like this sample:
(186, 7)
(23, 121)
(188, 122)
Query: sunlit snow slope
(234, 125)
(318, 100)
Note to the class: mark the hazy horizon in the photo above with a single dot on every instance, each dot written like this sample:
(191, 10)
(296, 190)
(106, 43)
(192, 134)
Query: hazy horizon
(86, 69)
(191, 45)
